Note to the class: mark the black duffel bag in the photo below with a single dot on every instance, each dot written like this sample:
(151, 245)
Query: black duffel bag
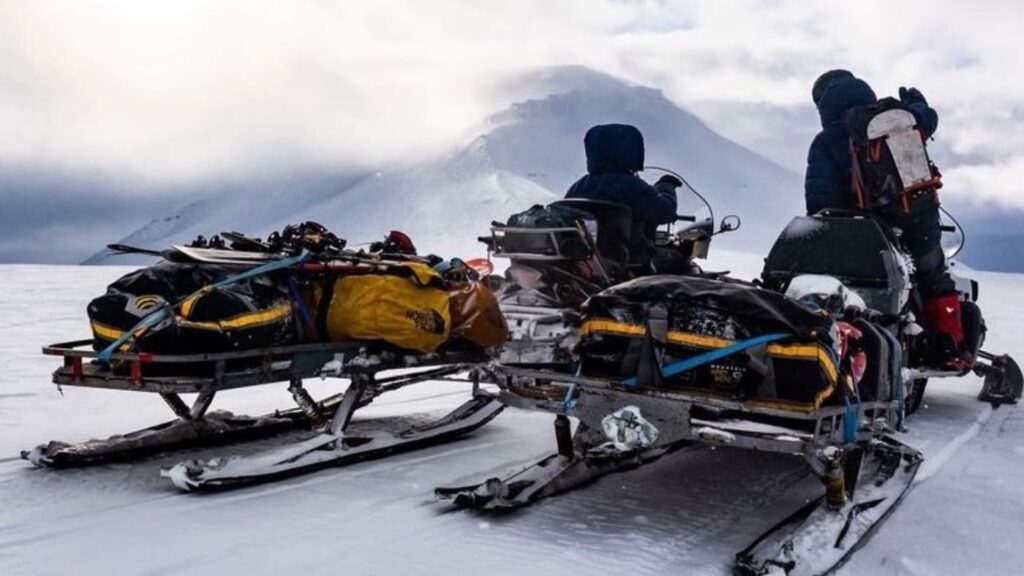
(550, 231)
(634, 330)
(252, 313)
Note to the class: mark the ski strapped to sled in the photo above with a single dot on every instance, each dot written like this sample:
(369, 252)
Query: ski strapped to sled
(206, 374)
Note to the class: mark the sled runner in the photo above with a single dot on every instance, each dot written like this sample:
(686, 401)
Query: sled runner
(207, 374)
(864, 470)
(298, 305)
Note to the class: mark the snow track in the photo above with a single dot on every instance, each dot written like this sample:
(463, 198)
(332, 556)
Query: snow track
(942, 457)
(687, 513)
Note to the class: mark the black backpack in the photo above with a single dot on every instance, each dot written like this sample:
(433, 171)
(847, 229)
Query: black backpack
(889, 160)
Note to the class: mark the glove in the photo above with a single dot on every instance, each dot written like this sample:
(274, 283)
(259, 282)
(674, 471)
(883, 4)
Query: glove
(670, 180)
(912, 96)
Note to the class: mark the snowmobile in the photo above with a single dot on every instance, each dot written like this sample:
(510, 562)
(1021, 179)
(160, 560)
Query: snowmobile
(206, 319)
(789, 364)
(561, 254)
(877, 267)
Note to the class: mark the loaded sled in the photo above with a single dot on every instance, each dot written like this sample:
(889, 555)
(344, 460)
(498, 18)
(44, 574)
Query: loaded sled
(208, 319)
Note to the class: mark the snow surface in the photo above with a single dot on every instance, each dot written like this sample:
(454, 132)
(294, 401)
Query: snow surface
(687, 513)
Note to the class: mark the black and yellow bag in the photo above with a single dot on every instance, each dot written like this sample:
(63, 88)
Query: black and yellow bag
(405, 305)
(254, 313)
(635, 329)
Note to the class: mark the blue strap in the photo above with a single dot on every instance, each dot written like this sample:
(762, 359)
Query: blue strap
(160, 314)
(851, 420)
(708, 357)
(569, 404)
(853, 413)
(293, 289)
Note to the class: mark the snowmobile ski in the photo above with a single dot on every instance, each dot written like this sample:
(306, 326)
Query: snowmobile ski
(552, 475)
(331, 449)
(1003, 379)
(218, 427)
(820, 537)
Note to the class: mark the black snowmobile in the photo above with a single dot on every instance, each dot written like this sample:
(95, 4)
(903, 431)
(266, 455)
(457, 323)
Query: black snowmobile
(877, 267)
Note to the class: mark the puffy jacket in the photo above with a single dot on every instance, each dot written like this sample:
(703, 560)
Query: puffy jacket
(827, 183)
(615, 152)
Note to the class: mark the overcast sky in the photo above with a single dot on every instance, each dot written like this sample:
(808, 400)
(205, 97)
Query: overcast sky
(182, 91)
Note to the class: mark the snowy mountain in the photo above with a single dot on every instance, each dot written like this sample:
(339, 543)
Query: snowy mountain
(528, 153)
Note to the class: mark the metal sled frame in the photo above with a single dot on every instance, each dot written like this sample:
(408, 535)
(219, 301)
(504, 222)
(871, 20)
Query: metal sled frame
(881, 466)
(206, 374)
(551, 234)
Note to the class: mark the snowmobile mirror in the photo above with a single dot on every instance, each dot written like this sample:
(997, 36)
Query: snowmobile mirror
(730, 223)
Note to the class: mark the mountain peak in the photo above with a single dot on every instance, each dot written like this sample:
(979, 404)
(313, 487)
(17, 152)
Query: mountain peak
(530, 152)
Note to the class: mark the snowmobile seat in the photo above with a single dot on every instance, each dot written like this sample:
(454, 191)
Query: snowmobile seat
(855, 249)
(614, 227)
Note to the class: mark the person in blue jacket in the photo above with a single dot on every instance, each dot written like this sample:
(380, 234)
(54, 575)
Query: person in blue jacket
(615, 153)
(828, 184)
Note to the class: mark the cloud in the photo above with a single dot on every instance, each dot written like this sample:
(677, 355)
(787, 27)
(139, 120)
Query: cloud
(148, 90)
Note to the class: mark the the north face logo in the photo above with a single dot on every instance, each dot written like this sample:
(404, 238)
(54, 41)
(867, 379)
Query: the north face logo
(427, 320)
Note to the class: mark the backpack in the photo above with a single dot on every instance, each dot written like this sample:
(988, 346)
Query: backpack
(889, 161)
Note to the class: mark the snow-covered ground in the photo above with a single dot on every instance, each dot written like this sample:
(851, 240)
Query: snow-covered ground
(686, 514)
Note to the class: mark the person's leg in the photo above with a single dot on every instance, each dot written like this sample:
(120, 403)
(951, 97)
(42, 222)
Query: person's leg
(922, 236)
(941, 303)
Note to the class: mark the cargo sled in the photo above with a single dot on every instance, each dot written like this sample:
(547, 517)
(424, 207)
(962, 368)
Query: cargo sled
(207, 374)
(208, 319)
